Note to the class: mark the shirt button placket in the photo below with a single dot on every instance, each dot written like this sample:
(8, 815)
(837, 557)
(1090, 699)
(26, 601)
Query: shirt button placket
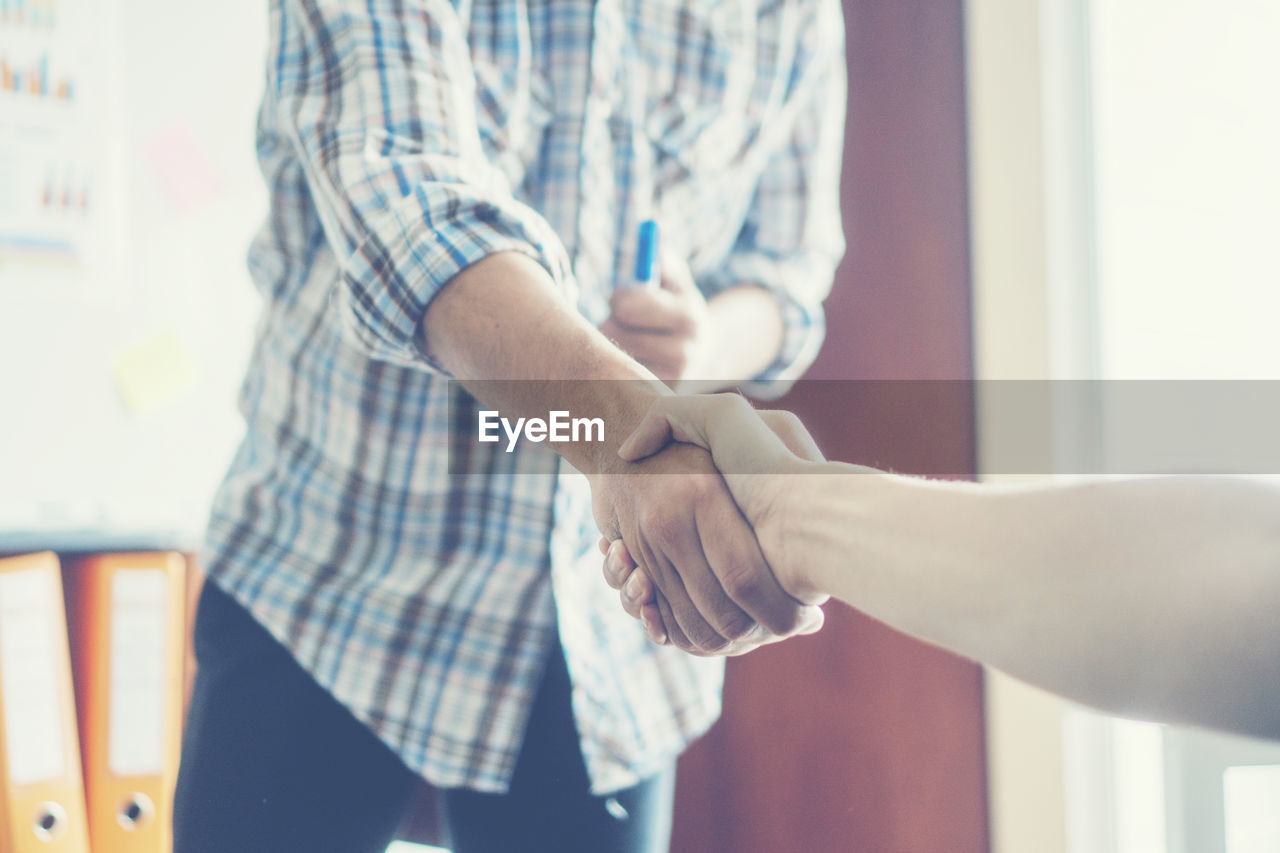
(597, 214)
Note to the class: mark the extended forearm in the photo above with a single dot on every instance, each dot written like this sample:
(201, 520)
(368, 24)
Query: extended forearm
(1149, 597)
(502, 329)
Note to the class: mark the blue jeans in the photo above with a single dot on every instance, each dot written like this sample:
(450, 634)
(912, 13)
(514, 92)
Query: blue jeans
(272, 763)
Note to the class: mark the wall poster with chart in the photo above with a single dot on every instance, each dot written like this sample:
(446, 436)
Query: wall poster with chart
(129, 192)
(56, 187)
(62, 229)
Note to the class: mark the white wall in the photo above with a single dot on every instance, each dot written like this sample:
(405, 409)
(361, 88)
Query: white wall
(1188, 187)
(1010, 239)
(1125, 201)
(182, 81)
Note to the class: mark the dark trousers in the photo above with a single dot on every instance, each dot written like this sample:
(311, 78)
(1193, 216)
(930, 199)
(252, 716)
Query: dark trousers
(272, 763)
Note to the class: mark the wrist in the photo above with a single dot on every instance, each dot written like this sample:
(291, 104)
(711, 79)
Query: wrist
(789, 498)
(827, 515)
(621, 405)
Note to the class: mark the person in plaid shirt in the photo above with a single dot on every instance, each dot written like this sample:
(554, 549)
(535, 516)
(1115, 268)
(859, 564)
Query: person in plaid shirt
(455, 190)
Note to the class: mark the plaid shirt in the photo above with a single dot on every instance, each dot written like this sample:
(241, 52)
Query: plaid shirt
(402, 141)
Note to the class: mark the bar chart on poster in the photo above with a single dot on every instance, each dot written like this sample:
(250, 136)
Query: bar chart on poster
(55, 91)
(128, 197)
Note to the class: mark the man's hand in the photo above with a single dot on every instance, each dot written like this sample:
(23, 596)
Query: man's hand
(715, 593)
(754, 450)
(501, 323)
(665, 328)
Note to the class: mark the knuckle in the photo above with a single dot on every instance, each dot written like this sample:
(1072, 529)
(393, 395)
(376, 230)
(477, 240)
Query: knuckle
(742, 582)
(757, 638)
(680, 491)
(682, 642)
(736, 627)
(703, 485)
(660, 524)
(791, 619)
(685, 645)
(704, 638)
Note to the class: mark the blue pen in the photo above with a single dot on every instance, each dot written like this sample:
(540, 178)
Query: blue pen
(647, 254)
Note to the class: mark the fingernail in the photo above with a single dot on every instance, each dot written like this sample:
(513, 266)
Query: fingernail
(631, 589)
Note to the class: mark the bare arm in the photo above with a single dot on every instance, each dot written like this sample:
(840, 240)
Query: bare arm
(1152, 597)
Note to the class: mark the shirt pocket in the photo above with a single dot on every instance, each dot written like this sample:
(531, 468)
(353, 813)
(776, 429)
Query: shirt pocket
(700, 63)
(513, 110)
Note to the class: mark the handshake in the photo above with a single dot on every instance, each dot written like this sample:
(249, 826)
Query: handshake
(1152, 596)
(694, 534)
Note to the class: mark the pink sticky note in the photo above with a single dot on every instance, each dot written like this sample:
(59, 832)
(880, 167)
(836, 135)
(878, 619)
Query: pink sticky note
(185, 171)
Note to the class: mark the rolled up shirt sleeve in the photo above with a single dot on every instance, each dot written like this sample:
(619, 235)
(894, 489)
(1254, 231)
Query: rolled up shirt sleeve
(379, 99)
(792, 238)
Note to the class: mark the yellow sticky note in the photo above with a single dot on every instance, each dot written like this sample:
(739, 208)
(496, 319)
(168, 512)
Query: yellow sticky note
(151, 372)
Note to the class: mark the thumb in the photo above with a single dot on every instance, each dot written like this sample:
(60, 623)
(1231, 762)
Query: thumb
(676, 275)
(787, 427)
(724, 424)
(653, 433)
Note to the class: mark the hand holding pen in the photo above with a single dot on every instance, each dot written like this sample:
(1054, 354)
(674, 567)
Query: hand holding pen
(662, 321)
